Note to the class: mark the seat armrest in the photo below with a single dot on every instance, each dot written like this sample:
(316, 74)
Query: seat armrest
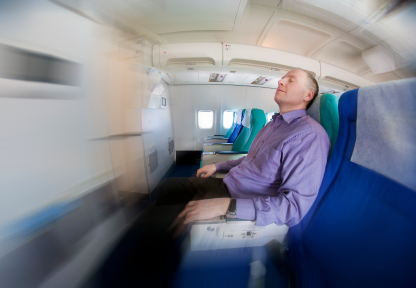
(210, 138)
(231, 152)
(219, 219)
(210, 144)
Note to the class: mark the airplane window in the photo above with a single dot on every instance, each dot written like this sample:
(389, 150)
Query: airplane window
(205, 119)
(227, 119)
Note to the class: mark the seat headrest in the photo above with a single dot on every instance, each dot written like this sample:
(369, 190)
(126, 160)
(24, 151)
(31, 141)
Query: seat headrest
(239, 115)
(314, 110)
(385, 127)
(247, 118)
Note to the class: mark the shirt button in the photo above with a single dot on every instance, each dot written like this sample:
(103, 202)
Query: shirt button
(239, 166)
(253, 157)
(262, 141)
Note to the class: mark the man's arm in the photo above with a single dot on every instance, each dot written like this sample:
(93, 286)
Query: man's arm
(303, 165)
(204, 209)
(227, 165)
(209, 170)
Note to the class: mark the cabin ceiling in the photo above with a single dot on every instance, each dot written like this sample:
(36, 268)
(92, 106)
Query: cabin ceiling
(331, 31)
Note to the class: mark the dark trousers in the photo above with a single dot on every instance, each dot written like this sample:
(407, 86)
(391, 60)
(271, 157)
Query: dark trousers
(150, 252)
(182, 190)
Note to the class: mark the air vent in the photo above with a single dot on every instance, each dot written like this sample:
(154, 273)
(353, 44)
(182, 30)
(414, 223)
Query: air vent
(263, 65)
(345, 85)
(191, 69)
(200, 61)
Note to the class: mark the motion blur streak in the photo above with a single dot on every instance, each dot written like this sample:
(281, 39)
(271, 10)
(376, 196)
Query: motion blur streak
(59, 207)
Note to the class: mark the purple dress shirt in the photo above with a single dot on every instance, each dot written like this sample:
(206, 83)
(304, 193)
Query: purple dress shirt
(278, 180)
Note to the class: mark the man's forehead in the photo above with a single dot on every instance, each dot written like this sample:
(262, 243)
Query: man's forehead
(295, 73)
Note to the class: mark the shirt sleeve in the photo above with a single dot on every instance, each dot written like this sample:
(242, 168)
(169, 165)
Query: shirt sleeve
(303, 161)
(227, 165)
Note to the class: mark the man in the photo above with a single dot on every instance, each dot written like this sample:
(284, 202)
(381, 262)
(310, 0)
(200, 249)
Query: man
(278, 180)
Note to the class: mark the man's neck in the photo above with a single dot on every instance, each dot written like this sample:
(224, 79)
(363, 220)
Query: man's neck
(284, 110)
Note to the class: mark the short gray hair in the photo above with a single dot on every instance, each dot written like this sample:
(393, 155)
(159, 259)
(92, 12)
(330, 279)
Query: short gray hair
(311, 84)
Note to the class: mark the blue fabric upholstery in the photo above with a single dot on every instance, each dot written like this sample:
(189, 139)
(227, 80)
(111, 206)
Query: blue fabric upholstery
(361, 230)
(237, 129)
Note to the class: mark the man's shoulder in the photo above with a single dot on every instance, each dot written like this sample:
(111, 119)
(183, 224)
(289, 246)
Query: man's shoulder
(313, 126)
(306, 126)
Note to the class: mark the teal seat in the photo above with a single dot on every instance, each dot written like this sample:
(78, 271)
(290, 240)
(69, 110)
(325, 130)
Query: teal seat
(258, 119)
(254, 120)
(330, 117)
(325, 111)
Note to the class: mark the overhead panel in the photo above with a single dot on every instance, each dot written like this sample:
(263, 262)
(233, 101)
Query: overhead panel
(354, 11)
(270, 3)
(249, 79)
(169, 16)
(294, 37)
(235, 78)
(340, 79)
(397, 27)
(189, 54)
(203, 78)
(253, 21)
(379, 59)
(255, 57)
(188, 78)
(318, 13)
(345, 52)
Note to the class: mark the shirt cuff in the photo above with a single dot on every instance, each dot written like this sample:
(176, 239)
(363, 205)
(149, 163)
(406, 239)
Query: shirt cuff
(221, 166)
(245, 209)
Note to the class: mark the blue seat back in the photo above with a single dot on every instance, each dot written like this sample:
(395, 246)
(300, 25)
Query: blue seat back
(238, 126)
(361, 230)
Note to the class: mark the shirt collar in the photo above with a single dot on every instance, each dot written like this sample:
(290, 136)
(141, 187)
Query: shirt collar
(289, 116)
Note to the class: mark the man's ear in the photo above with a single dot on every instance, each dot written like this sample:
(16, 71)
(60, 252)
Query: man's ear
(309, 96)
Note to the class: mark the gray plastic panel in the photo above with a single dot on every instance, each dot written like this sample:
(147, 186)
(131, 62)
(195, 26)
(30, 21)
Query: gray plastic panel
(153, 163)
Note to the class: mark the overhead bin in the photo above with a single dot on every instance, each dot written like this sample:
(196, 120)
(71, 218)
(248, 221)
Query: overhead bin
(338, 78)
(255, 57)
(187, 54)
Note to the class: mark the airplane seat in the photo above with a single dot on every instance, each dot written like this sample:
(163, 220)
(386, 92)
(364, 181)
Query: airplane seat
(361, 230)
(232, 133)
(228, 146)
(258, 122)
(252, 123)
(324, 110)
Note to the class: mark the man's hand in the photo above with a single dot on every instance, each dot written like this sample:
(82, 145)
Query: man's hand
(208, 170)
(205, 209)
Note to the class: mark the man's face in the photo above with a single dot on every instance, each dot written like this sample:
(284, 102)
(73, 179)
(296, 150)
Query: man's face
(292, 91)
